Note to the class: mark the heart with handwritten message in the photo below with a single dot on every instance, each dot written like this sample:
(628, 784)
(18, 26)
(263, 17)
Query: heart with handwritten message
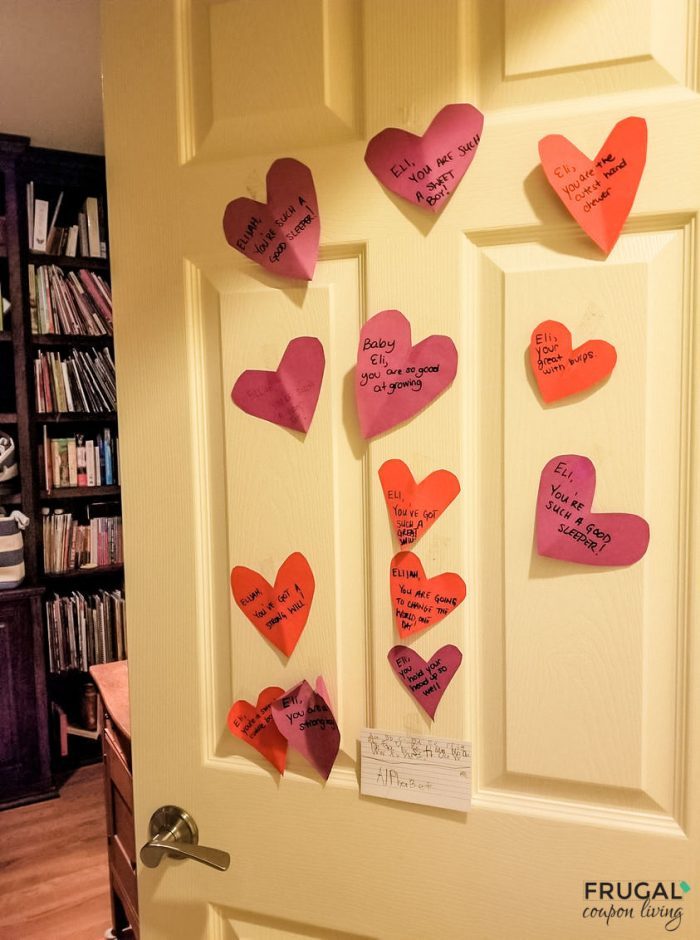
(254, 725)
(414, 507)
(426, 170)
(287, 396)
(395, 380)
(304, 717)
(598, 193)
(426, 681)
(560, 370)
(568, 529)
(421, 602)
(281, 235)
(280, 611)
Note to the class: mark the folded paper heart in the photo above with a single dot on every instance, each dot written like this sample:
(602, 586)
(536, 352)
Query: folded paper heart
(414, 507)
(395, 380)
(560, 370)
(304, 718)
(254, 725)
(281, 235)
(426, 170)
(421, 602)
(568, 529)
(426, 681)
(280, 611)
(598, 193)
(287, 396)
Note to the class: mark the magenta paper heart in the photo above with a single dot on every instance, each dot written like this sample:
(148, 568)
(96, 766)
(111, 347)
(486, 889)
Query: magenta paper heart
(282, 234)
(394, 380)
(426, 170)
(566, 527)
(305, 719)
(427, 682)
(289, 395)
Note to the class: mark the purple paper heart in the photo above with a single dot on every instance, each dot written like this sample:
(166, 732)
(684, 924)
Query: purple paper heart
(305, 719)
(426, 681)
(395, 380)
(287, 396)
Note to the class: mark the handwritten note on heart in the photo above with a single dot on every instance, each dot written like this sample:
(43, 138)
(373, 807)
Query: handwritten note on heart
(568, 529)
(395, 380)
(414, 507)
(281, 235)
(598, 193)
(426, 681)
(426, 170)
(560, 370)
(421, 602)
(289, 395)
(304, 718)
(280, 611)
(254, 725)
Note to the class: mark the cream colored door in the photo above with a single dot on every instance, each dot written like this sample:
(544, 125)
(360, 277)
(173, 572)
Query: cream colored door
(579, 687)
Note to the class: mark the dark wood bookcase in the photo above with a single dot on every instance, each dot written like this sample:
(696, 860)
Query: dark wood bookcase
(26, 686)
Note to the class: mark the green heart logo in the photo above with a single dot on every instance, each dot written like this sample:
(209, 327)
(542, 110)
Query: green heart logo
(685, 886)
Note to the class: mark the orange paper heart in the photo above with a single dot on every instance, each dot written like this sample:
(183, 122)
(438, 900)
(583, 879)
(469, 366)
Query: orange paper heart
(414, 507)
(561, 370)
(254, 725)
(279, 612)
(421, 602)
(598, 193)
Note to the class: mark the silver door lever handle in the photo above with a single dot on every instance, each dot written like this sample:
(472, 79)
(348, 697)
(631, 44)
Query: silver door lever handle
(174, 833)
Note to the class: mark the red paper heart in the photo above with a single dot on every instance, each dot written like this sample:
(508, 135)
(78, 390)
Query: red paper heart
(421, 602)
(426, 681)
(560, 370)
(414, 507)
(287, 396)
(395, 380)
(281, 235)
(598, 193)
(254, 725)
(568, 529)
(279, 613)
(426, 170)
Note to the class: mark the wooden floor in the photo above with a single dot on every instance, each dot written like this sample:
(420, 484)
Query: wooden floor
(53, 865)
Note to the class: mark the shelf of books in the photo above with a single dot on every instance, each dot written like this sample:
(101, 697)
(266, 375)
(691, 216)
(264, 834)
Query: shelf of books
(62, 330)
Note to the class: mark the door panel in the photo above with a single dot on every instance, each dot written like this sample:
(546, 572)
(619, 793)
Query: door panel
(578, 687)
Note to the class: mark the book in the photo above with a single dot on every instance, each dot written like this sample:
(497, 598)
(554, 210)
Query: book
(90, 462)
(41, 220)
(81, 460)
(83, 235)
(93, 226)
(53, 238)
(30, 214)
(72, 242)
(85, 629)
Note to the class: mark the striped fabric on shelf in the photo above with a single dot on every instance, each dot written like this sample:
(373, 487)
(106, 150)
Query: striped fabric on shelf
(12, 549)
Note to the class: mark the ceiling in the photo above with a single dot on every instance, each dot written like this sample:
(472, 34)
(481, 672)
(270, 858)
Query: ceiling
(50, 77)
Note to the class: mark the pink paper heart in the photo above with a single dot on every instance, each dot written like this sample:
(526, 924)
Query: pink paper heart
(426, 681)
(281, 235)
(569, 530)
(305, 719)
(426, 170)
(395, 380)
(287, 396)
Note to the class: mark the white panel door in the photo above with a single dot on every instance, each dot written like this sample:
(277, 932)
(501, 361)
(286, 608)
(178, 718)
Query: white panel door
(579, 686)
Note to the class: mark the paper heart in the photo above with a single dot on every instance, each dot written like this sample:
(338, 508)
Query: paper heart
(279, 612)
(281, 235)
(569, 530)
(560, 370)
(287, 396)
(421, 602)
(426, 681)
(598, 193)
(254, 725)
(414, 507)
(395, 380)
(305, 719)
(426, 170)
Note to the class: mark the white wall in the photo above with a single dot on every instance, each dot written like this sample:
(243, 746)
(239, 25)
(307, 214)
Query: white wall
(50, 76)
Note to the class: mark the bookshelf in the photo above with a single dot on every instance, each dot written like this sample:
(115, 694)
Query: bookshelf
(36, 353)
